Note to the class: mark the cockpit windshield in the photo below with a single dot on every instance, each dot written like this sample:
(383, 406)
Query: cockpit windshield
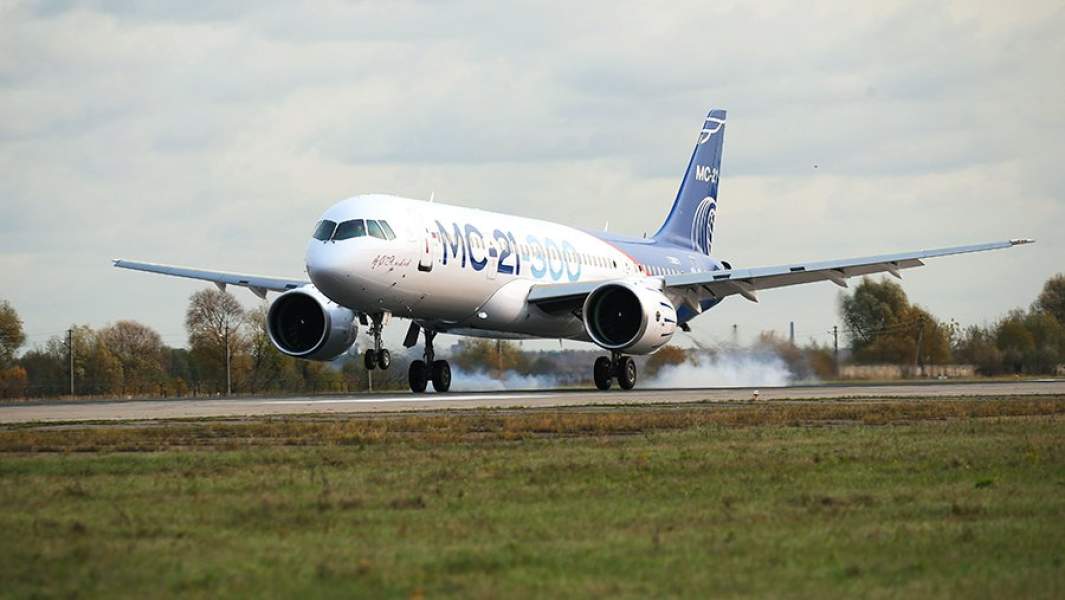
(388, 230)
(328, 230)
(350, 229)
(375, 230)
(324, 230)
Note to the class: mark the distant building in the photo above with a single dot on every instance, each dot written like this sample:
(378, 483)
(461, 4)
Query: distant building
(905, 372)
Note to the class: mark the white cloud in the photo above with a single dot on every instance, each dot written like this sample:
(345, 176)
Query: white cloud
(212, 134)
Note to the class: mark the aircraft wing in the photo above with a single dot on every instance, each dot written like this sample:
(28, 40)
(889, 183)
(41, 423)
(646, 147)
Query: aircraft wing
(256, 283)
(691, 288)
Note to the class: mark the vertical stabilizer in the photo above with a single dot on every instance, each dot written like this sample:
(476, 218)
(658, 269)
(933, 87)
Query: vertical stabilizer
(690, 223)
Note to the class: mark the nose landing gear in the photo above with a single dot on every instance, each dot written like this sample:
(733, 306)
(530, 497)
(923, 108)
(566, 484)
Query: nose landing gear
(377, 357)
(430, 369)
(617, 365)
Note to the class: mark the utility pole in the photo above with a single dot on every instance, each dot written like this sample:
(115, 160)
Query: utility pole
(791, 332)
(70, 356)
(229, 381)
(835, 348)
(735, 334)
(499, 355)
(917, 350)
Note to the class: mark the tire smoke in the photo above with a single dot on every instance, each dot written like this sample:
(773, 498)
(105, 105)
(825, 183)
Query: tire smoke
(734, 368)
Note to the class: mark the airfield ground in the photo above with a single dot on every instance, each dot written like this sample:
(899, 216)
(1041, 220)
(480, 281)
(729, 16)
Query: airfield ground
(915, 496)
(388, 402)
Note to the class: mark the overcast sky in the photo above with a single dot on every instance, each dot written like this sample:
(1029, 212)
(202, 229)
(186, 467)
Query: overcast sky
(213, 134)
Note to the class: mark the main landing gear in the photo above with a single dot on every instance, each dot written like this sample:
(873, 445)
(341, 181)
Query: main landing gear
(422, 371)
(377, 357)
(617, 365)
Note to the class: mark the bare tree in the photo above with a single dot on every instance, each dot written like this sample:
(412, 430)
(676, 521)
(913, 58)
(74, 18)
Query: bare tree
(1052, 298)
(140, 351)
(11, 335)
(213, 321)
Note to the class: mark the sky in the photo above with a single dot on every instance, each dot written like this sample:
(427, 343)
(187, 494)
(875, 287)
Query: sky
(214, 134)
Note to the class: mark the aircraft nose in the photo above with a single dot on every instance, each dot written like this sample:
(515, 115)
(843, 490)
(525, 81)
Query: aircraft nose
(328, 268)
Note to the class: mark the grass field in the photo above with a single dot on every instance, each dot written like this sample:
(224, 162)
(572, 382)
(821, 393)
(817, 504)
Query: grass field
(889, 498)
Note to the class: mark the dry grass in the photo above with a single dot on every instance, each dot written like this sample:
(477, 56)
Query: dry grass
(959, 498)
(474, 426)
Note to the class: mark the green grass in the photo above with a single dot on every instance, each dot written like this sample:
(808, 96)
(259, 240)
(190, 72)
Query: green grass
(881, 499)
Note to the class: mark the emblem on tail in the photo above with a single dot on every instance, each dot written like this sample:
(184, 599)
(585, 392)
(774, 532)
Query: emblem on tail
(703, 225)
(711, 126)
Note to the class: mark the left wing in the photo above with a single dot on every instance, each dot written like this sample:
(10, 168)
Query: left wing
(258, 284)
(691, 288)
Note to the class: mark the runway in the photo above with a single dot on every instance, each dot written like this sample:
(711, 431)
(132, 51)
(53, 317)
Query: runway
(141, 410)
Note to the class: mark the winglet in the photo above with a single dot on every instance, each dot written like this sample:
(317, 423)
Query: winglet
(1021, 241)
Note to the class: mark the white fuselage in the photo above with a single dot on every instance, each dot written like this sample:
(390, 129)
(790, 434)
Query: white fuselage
(459, 269)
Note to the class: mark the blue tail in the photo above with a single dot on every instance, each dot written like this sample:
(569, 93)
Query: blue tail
(690, 223)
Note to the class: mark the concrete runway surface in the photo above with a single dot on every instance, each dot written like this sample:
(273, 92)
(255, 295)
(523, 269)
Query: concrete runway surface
(102, 410)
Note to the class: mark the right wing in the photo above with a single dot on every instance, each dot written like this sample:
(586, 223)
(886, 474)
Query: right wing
(692, 288)
(258, 284)
(746, 282)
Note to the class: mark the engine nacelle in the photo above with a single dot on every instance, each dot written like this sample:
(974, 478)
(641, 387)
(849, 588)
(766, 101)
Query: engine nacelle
(305, 324)
(628, 317)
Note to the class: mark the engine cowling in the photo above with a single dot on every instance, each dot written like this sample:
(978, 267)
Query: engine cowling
(305, 324)
(629, 317)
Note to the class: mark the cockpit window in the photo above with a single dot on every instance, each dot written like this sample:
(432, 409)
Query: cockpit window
(324, 230)
(350, 229)
(375, 229)
(388, 230)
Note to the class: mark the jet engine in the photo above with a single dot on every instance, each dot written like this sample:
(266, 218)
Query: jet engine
(305, 324)
(628, 317)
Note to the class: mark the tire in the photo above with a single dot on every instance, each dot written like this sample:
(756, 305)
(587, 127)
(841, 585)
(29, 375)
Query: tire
(441, 376)
(369, 360)
(601, 373)
(627, 373)
(384, 359)
(416, 376)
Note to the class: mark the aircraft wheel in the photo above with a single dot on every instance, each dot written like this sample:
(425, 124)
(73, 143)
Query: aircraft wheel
(417, 376)
(626, 373)
(601, 373)
(441, 376)
(369, 360)
(384, 359)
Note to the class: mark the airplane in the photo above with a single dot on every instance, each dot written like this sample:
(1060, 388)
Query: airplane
(468, 272)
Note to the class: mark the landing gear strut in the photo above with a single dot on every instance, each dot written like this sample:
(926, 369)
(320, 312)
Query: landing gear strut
(617, 365)
(429, 369)
(377, 357)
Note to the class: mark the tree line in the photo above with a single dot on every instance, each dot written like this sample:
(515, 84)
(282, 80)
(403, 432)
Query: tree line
(127, 358)
(229, 349)
(884, 327)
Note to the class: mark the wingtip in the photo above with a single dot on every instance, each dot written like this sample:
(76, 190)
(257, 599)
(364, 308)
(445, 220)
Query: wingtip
(1021, 241)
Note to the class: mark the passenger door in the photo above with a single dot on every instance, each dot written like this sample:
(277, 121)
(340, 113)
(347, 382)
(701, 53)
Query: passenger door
(428, 251)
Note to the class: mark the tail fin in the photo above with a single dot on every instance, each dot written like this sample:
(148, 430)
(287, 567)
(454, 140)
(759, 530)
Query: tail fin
(691, 220)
